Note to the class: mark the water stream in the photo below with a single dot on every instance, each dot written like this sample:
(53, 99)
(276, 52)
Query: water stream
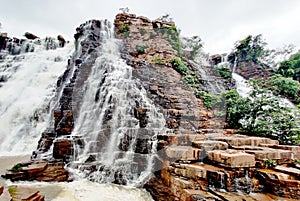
(117, 121)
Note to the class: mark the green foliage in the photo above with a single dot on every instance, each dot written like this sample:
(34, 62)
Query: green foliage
(193, 45)
(190, 80)
(152, 34)
(141, 49)
(171, 34)
(142, 31)
(269, 163)
(297, 162)
(16, 168)
(210, 101)
(12, 190)
(250, 49)
(158, 60)
(284, 86)
(179, 66)
(235, 106)
(291, 67)
(269, 117)
(224, 72)
(124, 30)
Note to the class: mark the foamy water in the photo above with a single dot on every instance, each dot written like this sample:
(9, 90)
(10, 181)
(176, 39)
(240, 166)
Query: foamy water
(25, 96)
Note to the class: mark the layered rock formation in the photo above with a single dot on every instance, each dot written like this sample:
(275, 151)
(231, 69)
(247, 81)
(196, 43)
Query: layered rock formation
(196, 155)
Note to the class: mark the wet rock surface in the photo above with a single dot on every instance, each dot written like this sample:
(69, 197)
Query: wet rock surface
(197, 159)
(199, 156)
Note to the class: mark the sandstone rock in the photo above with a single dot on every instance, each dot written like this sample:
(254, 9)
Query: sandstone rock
(231, 158)
(184, 153)
(210, 145)
(273, 154)
(1, 190)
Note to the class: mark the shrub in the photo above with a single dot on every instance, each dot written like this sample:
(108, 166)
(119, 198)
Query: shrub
(285, 86)
(152, 34)
(16, 168)
(224, 72)
(158, 60)
(141, 49)
(179, 66)
(172, 36)
(142, 31)
(190, 80)
(124, 30)
(269, 163)
(210, 101)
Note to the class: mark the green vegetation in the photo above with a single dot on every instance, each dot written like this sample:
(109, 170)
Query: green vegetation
(16, 168)
(124, 29)
(190, 80)
(179, 66)
(210, 101)
(224, 72)
(193, 45)
(171, 34)
(291, 67)
(269, 163)
(286, 87)
(152, 34)
(12, 190)
(297, 162)
(158, 60)
(141, 49)
(142, 31)
(250, 49)
(235, 108)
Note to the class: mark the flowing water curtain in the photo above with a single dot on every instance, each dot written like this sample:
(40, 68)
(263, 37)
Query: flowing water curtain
(117, 120)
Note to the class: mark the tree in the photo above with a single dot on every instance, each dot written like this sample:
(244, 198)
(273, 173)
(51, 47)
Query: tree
(291, 67)
(269, 116)
(193, 45)
(250, 49)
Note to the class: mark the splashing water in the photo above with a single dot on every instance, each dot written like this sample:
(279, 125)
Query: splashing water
(28, 84)
(117, 121)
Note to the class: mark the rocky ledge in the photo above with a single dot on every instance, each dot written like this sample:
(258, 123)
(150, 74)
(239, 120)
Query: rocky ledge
(200, 160)
(197, 158)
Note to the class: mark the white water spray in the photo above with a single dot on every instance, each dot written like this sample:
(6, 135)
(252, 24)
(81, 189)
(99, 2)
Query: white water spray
(119, 142)
(30, 81)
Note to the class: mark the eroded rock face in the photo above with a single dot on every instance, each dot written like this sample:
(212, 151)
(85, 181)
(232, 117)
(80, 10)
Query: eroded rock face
(197, 156)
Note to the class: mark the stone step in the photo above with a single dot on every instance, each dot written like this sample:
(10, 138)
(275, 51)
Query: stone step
(183, 153)
(192, 195)
(231, 158)
(288, 170)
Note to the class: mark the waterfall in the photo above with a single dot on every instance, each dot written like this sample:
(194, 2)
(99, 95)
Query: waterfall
(117, 121)
(242, 87)
(28, 74)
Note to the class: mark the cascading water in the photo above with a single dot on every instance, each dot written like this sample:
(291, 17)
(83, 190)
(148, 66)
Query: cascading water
(117, 121)
(28, 73)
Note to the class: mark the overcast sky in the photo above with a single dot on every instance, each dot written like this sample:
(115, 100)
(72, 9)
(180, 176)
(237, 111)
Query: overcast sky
(220, 23)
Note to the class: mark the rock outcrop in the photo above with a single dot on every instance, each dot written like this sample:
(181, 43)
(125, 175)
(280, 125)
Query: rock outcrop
(197, 159)
(197, 154)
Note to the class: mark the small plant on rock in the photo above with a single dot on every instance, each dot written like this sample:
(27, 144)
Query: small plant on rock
(141, 49)
(269, 163)
(143, 31)
(16, 168)
(179, 66)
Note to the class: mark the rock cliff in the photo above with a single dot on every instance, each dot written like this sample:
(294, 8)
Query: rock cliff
(196, 158)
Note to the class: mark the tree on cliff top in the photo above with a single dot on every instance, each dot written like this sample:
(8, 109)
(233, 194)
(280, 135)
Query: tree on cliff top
(250, 49)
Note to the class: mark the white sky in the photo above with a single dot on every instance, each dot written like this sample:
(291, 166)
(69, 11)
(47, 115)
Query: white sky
(220, 23)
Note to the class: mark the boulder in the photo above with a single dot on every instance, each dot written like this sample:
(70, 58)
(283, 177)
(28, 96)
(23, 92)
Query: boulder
(30, 36)
(61, 40)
